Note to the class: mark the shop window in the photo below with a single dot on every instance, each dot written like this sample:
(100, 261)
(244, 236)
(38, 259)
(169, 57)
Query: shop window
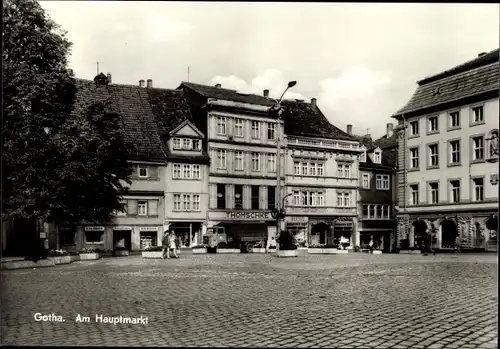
(221, 196)
(94, 236)
(255, 197)
(148, 239)
(238, 196)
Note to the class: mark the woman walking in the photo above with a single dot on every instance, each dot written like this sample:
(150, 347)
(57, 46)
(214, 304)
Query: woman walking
(172, 245)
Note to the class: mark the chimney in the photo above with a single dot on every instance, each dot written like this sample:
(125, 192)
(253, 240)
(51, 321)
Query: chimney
(390, 130)
(349, 129)
(109, 78)
(266, 93)
(141, 83)
(313, 101)
(218, 85)
(149, 83)
(481, 54)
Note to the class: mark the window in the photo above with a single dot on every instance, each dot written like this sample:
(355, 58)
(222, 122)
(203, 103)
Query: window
(366, 181)
(478, 148)
(434, 192)
(93, 236)
(296, 198)
(387, 212)
(454, 118)
(362, 157)
(414, 158)
(304, 169)
(477, 114)
(142, 207)
(177, 143)
(255, 162)
(255, 197)
(382, 182)
(433, 155)
(312, 169)
(186, 143)
(344, 170)
(177, 202)
(255, 129)
(343, 199)
(433, 124)
(455, 191)
(365, 211)
(221, 196)
(238, 196)
(347, 171)
(378, 210)
(312, 198)
(221, 159)
(196, 202)
(414, 128)
(221, 125)
(455, 152)
(377, 157)
(303, 198)
(296, 168)
(271, 131)
(143, 171)
(177, 170)
(271, 162)
(478, 184)
(238, 161)
(186, 202)
(271, 197)
(319, 170)
(196, 144)
(414, 194)
(186, 171)
(196, 172)
(320, 199)
(238, 127)
(371, 213)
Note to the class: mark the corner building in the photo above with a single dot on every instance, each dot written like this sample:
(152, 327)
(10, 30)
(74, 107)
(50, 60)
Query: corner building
(448, 157)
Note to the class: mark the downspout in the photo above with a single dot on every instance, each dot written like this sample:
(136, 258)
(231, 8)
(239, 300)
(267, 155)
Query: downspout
(405, 179)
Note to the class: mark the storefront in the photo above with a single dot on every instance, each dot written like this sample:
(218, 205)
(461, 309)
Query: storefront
(331, 231)
(148, 236)
(297, 225)
(122, 237)
(94, 237)
(67, 237)
(188, 234)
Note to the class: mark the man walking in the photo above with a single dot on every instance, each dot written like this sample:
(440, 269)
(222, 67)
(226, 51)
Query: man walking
(457, 244)
(165, 245)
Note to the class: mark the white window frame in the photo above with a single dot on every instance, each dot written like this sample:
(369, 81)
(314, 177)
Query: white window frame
(433, 193)
(414, 128)
(452, 190)
(455, 152)
(452, 119)
(196, 174)
(186, 202)
(255, 129)
(377, 157)
(271, 128)
(432, 127)
(320, 170)
(296, 198)
(238, 160)
(415, 195)
(478, 150)
(142, 207)
(271, 162)
(320, 199)
(255, 161)
(238, 127)
(296, 168)
(312, 169)
(347, 171)
(433, 156)
(186, 171)
(343, 199)
(221, 159)
(198, 144)
(304, 168)
(303, 198)
(475, 118)
(177, 202)
(221, 125)
(365, 181)
(196, 202)
(145, 168)
(414, 157)
(478, 189)
(386, 211)
(187, 144)
(176, 171)
(177, 143)
(312, 198)
(340, 170)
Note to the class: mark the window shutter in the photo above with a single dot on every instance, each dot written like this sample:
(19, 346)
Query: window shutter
(132, 207)
(153, 207)
(153, 171)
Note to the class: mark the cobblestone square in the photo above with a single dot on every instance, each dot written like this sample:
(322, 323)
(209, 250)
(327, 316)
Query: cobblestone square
(356, 300)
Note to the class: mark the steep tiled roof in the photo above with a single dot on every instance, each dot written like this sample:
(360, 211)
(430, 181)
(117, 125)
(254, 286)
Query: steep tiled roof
(146, 113)
(365, 140)
(477, 76)
(305, 119)
(227, 94)
(384, 142)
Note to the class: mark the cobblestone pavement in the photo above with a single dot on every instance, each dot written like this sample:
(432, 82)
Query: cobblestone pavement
(356, 301)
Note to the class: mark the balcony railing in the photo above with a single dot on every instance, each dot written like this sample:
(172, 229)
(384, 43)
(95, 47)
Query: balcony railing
(325, 144)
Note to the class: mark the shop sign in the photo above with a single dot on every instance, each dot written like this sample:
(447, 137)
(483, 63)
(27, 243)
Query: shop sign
(122, 228)
(148, 228)
(297, 219)
(94, 228)
(249, 215)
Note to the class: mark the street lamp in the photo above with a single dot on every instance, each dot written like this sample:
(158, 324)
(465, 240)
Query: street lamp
(278, 109)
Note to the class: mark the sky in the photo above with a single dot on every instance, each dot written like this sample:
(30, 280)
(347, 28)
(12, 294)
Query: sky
(361, 61)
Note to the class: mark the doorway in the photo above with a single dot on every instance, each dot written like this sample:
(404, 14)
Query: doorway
(449, 232)
(122, 238)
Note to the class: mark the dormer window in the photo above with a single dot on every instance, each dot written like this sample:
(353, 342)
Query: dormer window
(186, 144)
(196, 144)
(177, 143)
(362, 157)
(377, 157)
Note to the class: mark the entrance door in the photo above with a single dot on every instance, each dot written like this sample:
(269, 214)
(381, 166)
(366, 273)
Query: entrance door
(122, 238)
(448, 234)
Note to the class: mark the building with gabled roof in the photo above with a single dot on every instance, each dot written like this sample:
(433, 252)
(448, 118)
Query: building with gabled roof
(448, 157)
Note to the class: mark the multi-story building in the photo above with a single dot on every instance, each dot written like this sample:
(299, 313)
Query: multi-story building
(376, 191)
(448, 156)
(321, 176)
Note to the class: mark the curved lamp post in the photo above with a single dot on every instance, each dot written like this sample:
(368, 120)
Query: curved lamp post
(279, 110)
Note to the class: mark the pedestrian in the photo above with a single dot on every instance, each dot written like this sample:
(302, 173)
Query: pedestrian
(457, 244)
(165, 245)
(172, 245)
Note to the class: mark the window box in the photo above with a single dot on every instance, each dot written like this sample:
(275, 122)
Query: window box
(287, 253)
(228, 250)
(152, 254)
(89, 256)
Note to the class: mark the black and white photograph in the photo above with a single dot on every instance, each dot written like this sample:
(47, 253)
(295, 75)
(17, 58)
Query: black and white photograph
(250, 174)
